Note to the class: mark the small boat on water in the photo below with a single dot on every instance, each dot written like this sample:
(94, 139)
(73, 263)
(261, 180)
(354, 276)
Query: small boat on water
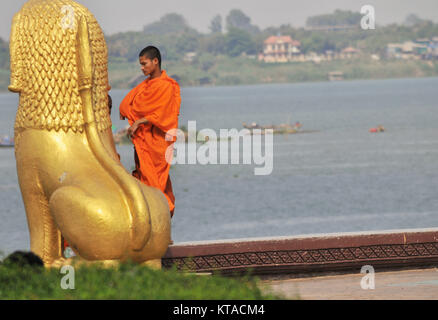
(283, 128)
(6, 142)
(379, 128)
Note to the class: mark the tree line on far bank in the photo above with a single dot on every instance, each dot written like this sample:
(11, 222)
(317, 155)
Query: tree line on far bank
(236, 35)
(4, 54)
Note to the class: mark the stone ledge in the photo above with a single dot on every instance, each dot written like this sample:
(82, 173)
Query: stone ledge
(308, 254)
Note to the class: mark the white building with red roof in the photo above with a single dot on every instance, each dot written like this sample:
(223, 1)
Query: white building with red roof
(280, 49)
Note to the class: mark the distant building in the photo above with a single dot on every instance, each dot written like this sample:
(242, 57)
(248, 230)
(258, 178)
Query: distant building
(433, 51)
(394, 50)
(424, 41)
(428, 49)
(408, 49)
(421, 47)
(190, 56)
(349, 53)
(336, 76)
(280, 49)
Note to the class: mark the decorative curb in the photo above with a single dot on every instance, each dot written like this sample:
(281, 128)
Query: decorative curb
(309, 254)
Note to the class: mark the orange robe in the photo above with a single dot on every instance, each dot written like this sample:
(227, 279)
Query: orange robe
(158, 100)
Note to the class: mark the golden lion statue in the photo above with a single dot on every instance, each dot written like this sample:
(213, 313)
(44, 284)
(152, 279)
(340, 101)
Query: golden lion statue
(72, 182)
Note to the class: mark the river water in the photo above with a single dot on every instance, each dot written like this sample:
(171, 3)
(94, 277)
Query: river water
(341, 178)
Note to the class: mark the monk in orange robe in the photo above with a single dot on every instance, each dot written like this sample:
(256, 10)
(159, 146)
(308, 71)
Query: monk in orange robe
(152, 109)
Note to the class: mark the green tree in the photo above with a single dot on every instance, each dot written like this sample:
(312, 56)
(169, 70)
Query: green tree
(426, 29)
(187, 43)
(236, 19)
(338, 18)
(205, 61)
(412, 19)
(214, 44)
(216, 24)
(4, 54)
(317, 43)
(238, 41)
(171, 23)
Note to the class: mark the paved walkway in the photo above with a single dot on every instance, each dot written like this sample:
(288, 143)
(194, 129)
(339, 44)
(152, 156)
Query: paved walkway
(395, 285)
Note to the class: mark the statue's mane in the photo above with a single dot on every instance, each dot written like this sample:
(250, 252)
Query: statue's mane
(44, 67)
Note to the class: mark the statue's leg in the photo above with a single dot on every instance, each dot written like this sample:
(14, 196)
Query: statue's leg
(45, 239)
(93, 220)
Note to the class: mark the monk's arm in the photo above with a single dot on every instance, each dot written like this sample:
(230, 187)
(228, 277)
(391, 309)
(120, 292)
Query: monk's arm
(142, 121)
(136, 125)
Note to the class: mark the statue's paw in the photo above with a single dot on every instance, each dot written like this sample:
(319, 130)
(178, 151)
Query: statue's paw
(59, 263)
(153, 264)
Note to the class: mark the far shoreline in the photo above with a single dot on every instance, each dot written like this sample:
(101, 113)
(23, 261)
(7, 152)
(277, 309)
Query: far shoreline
(3, 90)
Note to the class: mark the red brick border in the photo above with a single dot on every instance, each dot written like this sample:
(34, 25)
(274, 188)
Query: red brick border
(305, 254)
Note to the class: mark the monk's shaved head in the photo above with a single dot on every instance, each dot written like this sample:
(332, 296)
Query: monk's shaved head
(151, 52)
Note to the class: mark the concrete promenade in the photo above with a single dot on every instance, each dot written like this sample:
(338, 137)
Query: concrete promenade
(324, 266)
(416, 284)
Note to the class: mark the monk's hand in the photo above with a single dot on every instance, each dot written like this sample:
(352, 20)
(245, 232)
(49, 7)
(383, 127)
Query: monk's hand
(132, 129)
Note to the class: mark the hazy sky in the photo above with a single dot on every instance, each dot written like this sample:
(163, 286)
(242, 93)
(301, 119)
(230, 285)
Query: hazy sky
(124, 15)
